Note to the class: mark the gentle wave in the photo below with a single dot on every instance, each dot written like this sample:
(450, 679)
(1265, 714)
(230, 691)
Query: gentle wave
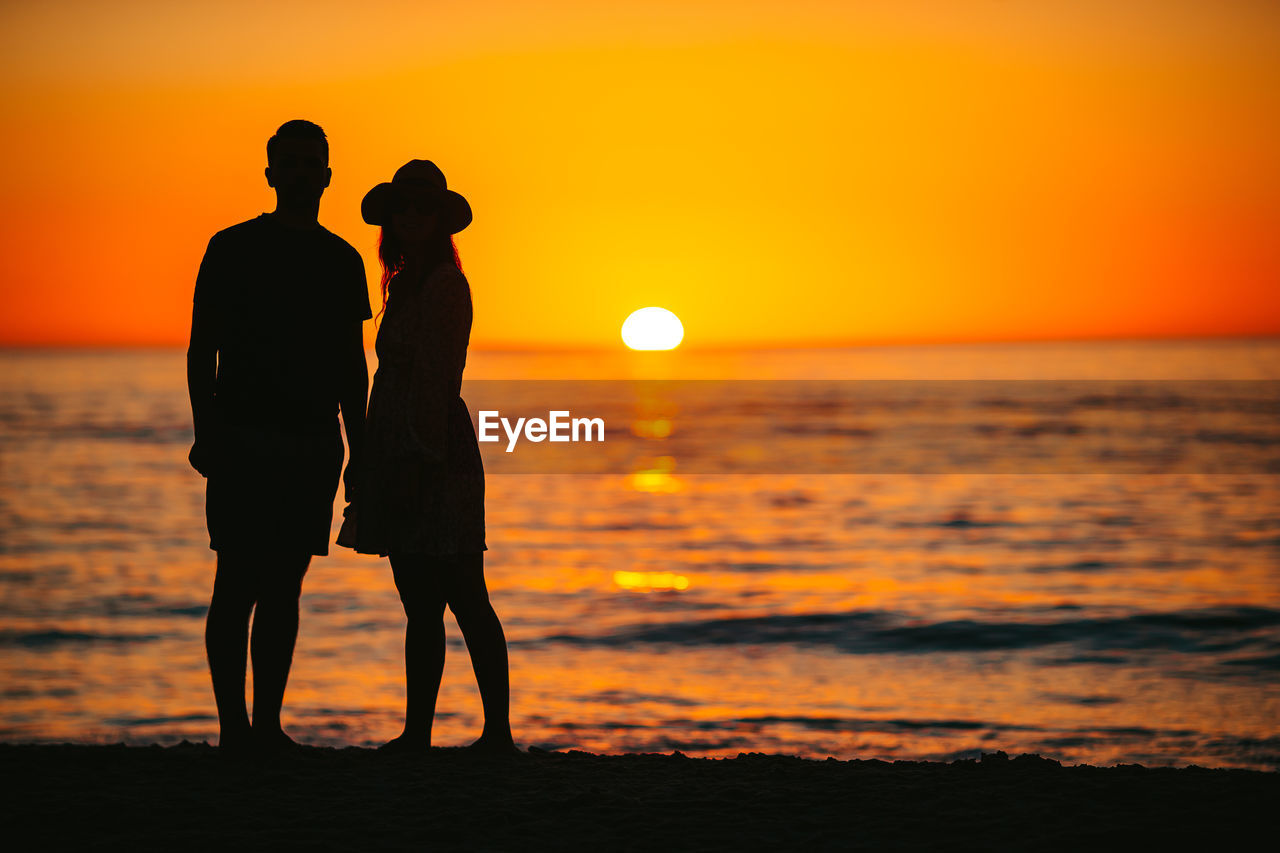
(1212, 631)
(56, 637)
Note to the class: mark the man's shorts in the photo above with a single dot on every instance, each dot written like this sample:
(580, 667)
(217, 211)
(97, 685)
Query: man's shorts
(273, 489)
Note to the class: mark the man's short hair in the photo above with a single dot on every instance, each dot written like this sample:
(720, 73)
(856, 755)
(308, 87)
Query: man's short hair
(298, 129)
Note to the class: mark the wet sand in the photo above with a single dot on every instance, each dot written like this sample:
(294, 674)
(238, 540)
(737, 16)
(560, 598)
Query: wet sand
(191, 796)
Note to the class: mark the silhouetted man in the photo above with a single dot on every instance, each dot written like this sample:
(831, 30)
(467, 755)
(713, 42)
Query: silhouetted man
(276, 350)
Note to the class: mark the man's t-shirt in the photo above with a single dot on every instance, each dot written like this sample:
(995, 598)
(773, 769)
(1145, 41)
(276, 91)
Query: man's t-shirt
(284, 301)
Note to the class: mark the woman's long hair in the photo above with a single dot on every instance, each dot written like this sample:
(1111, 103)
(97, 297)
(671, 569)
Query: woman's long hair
(440, 247)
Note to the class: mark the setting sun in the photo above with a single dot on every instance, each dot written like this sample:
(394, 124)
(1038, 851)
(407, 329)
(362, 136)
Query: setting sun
(652, 329)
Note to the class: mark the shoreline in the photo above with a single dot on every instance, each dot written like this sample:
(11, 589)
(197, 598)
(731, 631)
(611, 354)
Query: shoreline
(352, 797)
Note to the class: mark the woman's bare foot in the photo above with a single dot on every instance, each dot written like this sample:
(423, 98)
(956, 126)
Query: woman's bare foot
(407, 743)
(494, 745)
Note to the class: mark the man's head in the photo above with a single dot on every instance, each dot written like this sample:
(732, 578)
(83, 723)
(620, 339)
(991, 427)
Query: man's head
(298, 162)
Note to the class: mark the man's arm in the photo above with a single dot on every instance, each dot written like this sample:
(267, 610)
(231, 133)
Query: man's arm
(202, 361)
(202, 371)
(353, 398)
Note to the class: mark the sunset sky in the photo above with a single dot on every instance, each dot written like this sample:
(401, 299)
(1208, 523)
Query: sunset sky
(795, 172)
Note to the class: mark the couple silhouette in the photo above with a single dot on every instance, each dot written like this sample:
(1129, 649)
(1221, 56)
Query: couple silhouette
(276, 351)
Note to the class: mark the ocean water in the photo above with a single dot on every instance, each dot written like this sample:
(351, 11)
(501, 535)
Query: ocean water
(1087, 611)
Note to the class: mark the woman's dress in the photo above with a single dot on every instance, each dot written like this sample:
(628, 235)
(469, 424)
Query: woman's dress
(422, 484)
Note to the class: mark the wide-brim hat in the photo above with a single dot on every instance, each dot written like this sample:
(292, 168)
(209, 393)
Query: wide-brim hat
(420, 181)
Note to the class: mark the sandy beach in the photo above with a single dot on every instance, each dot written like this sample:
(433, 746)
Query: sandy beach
(192, 797)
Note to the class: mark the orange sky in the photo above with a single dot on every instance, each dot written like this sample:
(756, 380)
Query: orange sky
(774, 173)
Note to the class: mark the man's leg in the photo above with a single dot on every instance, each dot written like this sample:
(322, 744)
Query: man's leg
(226, 640)
(275, 631)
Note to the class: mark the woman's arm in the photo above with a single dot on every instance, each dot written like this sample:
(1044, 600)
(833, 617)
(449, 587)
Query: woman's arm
(444, 329)
(353, 399)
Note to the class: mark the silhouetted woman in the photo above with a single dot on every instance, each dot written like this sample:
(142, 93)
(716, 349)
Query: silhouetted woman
(421, 495)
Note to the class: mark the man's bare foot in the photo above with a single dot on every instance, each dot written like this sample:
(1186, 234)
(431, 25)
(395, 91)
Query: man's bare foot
(407, 743)
(273, 741)
(235, 742)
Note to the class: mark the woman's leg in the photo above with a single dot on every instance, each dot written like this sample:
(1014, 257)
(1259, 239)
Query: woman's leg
(468, 598)
(423, 597)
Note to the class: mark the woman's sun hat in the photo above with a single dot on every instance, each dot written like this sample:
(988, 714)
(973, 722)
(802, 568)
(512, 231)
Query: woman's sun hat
(418, 181)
